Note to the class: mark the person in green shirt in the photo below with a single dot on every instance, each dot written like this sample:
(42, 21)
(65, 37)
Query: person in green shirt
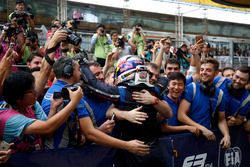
(101, 44)
(137, 39)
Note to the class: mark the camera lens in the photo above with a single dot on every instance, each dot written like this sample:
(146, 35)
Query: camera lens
(74, 39)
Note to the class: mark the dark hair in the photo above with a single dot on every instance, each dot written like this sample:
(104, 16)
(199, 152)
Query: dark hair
(244, 69)
(227, 68)
(150, 40)
(152, 65)
(58, 66)
(94, 63)
(113, 32)
(15, 86)
(32, 34)
(100, 25)
(33, 55)
(138, 25)
(212, 61)
(176, 76)
(172, 61)
(20, 1)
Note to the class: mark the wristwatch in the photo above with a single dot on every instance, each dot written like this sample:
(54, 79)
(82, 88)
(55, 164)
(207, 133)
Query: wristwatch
(156, 101)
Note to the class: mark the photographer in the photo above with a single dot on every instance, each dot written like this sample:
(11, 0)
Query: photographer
(24, 121)
(30, 46)
(100, 44)
(183, 57)
(121, 48)
(147, 54)
(136, 39)
(23, 18)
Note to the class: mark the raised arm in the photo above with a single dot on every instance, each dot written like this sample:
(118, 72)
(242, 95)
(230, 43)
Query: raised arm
(159, 58)
(47, 62)
(5, 66)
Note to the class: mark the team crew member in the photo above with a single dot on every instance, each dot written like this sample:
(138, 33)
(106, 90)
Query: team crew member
(237, 97)
(202, 101)
(176, 87)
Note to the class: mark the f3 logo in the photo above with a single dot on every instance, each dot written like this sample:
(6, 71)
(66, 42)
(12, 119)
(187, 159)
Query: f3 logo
(195, 160)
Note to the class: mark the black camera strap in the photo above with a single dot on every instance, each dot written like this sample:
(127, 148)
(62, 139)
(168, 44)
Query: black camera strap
(78, 128)
(91, 113)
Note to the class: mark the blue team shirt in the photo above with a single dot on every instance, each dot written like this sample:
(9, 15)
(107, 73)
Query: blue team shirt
(59, 137)
(173, 121)
(233, 101)
(99, 108)
(189, 80)
(202, 104)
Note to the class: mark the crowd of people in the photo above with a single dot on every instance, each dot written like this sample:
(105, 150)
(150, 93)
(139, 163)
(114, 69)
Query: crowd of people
(131, 93)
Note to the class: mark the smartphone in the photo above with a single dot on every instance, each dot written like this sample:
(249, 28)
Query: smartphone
(57, 95)
(113, 116)
(199, 37)
(12, 45)
(4, 146)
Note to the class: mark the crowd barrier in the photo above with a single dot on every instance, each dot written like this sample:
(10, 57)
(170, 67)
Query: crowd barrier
(180, 150)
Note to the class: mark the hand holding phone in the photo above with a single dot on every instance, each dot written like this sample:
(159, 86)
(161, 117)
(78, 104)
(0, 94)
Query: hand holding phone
(113, 116)
(4, 146)
(199, 39)
(57, 95)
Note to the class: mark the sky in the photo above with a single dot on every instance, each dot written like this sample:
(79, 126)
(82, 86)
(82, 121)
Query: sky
(171, 7)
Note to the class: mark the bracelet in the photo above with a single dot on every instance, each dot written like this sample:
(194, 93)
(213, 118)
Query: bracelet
(47, 58)
(53, 49)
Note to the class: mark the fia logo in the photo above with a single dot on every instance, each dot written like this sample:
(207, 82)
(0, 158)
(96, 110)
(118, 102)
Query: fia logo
(195, 160)
(232, 157)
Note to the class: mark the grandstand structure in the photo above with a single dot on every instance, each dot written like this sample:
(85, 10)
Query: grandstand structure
(230, 41)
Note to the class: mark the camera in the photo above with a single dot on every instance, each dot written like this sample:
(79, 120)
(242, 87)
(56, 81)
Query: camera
(10, 29)
(149, 47)
(65, 92)
(137, 29)
(120, 42)
(21, 17)
(72, 37)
